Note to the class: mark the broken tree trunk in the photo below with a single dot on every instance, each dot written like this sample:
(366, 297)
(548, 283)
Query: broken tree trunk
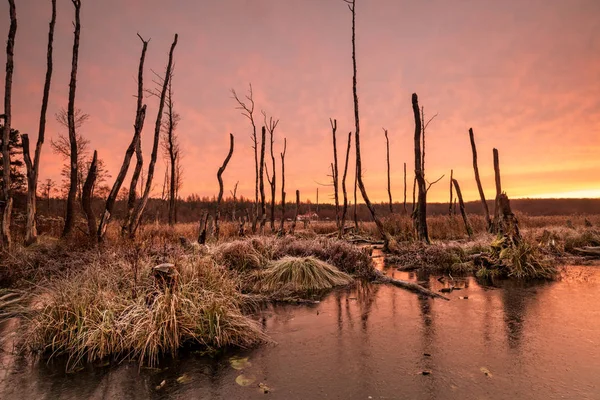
(261, 182)
(137, 213)
(508, 225)
(7, 200)
(203, 225)
(360, 182)
(70, 214)
(220, 179)
(420, 215)
(33, 167)
(293, 227)
(486, 211)
(140, 115)
(389, 182)
(342, 225)
(282, 230)
(498, 189)
(86, 196)
(334, 173)
(462, 208)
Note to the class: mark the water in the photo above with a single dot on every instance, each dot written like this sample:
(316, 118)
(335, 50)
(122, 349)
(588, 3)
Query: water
(535, 341)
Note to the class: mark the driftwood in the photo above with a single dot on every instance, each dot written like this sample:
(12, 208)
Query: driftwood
(486, 211)
(413, 287)
(140, 115)
(220, 179)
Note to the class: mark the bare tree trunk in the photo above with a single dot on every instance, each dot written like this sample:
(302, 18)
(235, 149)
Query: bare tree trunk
(34, 167)
(137, 215)
(334, 173)
(389, 182)
(271, 125)
(405, 211)
(5, 238)
(345, 207)
(293, 227)
(203, 225)
(317, 202)
(355, 214)
(414, 199)
(86, 196)
(361, 186)
(450, 203)
(498, 190)
(220, 179)
(234, 195)
(282, 228)
(127, 222)
(172, 154)
(420, 215)
(70, 215)
(486, 211)
(462, 208)
(261, 182)
(140, 115)
(508, 225)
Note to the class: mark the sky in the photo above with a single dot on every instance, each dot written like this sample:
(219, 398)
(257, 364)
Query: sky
(525, 75)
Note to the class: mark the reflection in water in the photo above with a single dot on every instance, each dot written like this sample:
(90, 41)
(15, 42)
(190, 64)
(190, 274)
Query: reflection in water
(371, 340)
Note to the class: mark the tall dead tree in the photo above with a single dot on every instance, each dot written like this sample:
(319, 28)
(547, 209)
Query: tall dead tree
(361, 185)
(334, 173)
(405, 211)
(33, 167)
(171, 148)
(271, 125)
(486, 211)
(5, 238)
(355, 210)
(247, 110)
(293, 227)
(139, 209)
(261, 182)
(282, 154)
(135, 177)
(345, 206)
(86, 196)
(140, 115)
(450, 203)
(462, 208)
(498, 189)
(234, 196)
(389, 182)
(420, 214)
(70, 215)
(220, 179)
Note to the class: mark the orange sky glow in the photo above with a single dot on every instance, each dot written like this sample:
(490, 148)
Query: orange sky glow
(524, 74)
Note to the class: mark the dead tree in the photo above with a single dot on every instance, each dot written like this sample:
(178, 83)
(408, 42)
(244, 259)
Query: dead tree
(361, 186)
(203, 226)
(389, 182)
(70, 215)
(498, 189)
(450, 203)
(171, 149)
(462, 208)
(293, 227)
(140, 115)
(508, 225)
(414, 198)
(248, 112)
(5, 238)
(334, 173)
(420, 215)
(282, 154)
(33, 167)
(261, 182)
(355, 211)
(271, 125)
(86, 197)
(405, 211)
(139, 209)
(234, 196)
(220, 179)
(139, 164)
(345, 206)
(486, 211)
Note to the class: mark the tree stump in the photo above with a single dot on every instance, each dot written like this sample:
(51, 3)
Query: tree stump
(165, 276)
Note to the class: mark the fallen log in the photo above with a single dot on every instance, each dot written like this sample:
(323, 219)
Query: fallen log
(413, 287)
(592, 251)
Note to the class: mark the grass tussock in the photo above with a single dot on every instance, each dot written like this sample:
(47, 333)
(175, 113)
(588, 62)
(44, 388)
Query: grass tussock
(241, 255)
(299, 275)
(99, 313)
(522, 260)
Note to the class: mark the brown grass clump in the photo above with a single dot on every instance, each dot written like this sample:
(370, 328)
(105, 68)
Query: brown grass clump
(241, 255)
(97, 313)
(299, 275)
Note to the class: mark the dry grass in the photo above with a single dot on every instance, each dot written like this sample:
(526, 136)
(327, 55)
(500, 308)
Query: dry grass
(299, 276)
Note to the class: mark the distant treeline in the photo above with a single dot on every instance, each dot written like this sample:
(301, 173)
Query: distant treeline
(191, 209)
